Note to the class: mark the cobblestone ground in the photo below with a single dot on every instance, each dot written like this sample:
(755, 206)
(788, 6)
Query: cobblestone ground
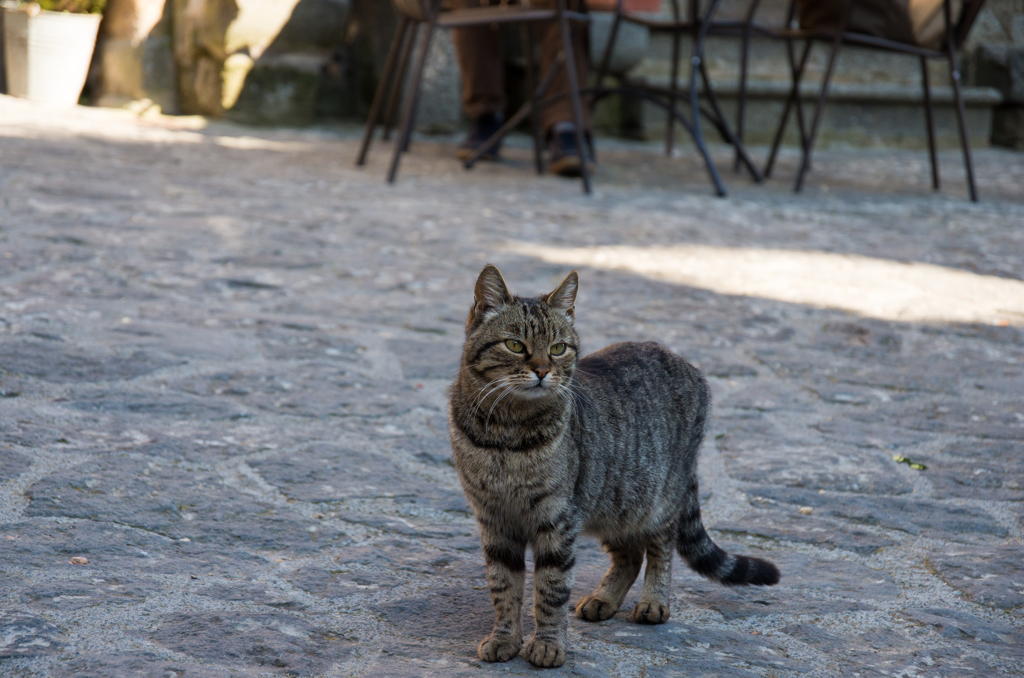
(224, 356)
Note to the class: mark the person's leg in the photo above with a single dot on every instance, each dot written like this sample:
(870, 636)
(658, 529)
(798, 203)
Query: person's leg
(479, 50)
(557, 118)
(550, 36)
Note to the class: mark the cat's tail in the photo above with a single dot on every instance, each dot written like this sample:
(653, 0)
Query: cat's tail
(708, 559)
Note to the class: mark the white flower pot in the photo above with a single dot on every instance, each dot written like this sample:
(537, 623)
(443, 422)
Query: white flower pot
(47, 55)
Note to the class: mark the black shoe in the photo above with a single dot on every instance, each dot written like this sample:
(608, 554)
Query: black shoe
(564, 157)
(482, 129)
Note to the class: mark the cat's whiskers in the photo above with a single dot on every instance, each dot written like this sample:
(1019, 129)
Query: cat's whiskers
(470, 369)
(500, 381)
(573, 393)
(480, 389)
(567, 400)
(576, 389)
(512, 388)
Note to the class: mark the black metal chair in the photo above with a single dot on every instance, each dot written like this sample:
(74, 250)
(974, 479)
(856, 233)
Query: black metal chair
(423, 17)
(955, 30)
(698, 25)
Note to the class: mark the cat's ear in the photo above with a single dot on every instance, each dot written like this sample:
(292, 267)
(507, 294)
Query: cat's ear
(490, 294)
(564, 296)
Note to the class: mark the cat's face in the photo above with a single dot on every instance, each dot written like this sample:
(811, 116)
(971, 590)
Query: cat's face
(521, 349)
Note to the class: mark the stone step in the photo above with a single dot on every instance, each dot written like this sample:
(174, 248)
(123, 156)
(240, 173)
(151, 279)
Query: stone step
(855, 114)
(875, 99)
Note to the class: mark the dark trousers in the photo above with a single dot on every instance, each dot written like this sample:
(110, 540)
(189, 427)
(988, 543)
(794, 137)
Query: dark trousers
(481, 62)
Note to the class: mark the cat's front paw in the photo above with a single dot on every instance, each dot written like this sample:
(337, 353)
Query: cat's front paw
(547, 654)
(648, 612)
(495, 648)
(592, 608)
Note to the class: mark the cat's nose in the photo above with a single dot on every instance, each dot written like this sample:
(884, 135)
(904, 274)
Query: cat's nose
(541, 371)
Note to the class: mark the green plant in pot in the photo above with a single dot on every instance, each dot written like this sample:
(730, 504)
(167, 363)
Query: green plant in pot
(48, 46)
(73, 6)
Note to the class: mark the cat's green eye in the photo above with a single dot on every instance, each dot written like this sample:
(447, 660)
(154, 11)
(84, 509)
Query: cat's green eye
(557, 349)
(515, 345)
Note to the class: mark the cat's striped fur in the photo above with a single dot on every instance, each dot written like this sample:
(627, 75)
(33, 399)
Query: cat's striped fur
(549, 446)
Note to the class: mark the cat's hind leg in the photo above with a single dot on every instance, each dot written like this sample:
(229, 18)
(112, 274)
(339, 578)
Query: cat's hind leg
(608, 597)
(653, 607)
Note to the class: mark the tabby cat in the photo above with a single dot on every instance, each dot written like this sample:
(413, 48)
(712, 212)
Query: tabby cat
(549, 446)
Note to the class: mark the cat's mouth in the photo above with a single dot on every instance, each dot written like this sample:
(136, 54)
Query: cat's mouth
(539, 389)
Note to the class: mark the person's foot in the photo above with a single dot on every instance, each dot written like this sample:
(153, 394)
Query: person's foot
(482, 129)
(564, 158)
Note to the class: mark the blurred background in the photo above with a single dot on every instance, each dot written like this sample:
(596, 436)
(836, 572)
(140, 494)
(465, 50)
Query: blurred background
(302, 62)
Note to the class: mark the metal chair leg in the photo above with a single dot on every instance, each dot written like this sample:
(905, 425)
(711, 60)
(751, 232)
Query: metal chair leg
(723, 126)
(741, 104)
(538, 150)
(395, 100)
(574, 91)
(412, 99)
(961, 113)
(930, 123)
(606, 59)
(606, 56)
(695, 61)
(673, 96)
(801, 123)
(383, 88)
(797, 73)
(805, 164)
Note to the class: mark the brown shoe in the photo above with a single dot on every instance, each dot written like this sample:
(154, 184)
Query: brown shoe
(564, 157)
(482, 129)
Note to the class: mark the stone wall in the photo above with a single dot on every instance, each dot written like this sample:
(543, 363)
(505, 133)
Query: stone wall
(258, 61)
(274, 73)
(1002, 67)
(133, 57)
(996, 51)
